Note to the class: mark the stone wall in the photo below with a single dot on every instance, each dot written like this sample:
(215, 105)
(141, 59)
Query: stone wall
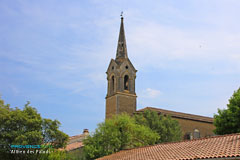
(188, 126)
(120, 103)
(126, 103)
(110, 107)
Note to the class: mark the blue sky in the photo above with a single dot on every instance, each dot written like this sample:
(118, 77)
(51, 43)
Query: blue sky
(55, 53)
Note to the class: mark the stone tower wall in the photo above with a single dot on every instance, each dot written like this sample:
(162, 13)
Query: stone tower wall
(120, 103)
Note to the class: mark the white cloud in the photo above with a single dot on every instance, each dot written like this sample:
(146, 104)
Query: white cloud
(150, 93)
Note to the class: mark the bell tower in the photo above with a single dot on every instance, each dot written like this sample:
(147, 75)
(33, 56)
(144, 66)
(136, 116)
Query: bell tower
(121, 75)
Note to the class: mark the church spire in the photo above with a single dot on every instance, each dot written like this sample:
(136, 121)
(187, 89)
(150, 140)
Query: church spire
(121, 74)
(122, 46)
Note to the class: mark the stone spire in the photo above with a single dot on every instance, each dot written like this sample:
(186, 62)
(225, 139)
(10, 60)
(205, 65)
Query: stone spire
(121, 74)
(122, 46)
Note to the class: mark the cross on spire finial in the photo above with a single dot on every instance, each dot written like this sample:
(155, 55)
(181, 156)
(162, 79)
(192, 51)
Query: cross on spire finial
(121, 14)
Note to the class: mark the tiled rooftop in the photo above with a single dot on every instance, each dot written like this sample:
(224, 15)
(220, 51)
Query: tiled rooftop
(76, 142)
(222, 147)
(179, 114)
(74, 146)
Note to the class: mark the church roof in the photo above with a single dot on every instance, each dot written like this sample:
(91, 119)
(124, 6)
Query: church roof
(121, 55)
(122, 46)
(179, 114)
(218, 147)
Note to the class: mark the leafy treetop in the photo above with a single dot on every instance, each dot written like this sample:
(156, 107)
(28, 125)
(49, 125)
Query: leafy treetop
(167, 128)
(27, 127)
(227, 121)
(120, 132)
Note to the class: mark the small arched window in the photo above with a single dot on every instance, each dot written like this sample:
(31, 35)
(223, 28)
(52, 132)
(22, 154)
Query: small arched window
(126, 82)
(112, 84)
(196, 134)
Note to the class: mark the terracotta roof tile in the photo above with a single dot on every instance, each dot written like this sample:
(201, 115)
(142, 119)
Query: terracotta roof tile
(73, 146)
(75, 142)
(179, 114)
(205, 148)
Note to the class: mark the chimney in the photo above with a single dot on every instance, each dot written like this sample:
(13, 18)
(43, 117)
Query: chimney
(85, 131)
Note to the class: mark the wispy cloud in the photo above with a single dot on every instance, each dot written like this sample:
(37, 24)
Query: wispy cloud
(150, 93)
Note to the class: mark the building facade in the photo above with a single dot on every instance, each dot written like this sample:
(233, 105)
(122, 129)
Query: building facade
(193, 126)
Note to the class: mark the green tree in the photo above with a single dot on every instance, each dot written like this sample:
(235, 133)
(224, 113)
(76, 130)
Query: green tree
(113, 135)
(27, 127)
(168, 129)
(227, 121)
